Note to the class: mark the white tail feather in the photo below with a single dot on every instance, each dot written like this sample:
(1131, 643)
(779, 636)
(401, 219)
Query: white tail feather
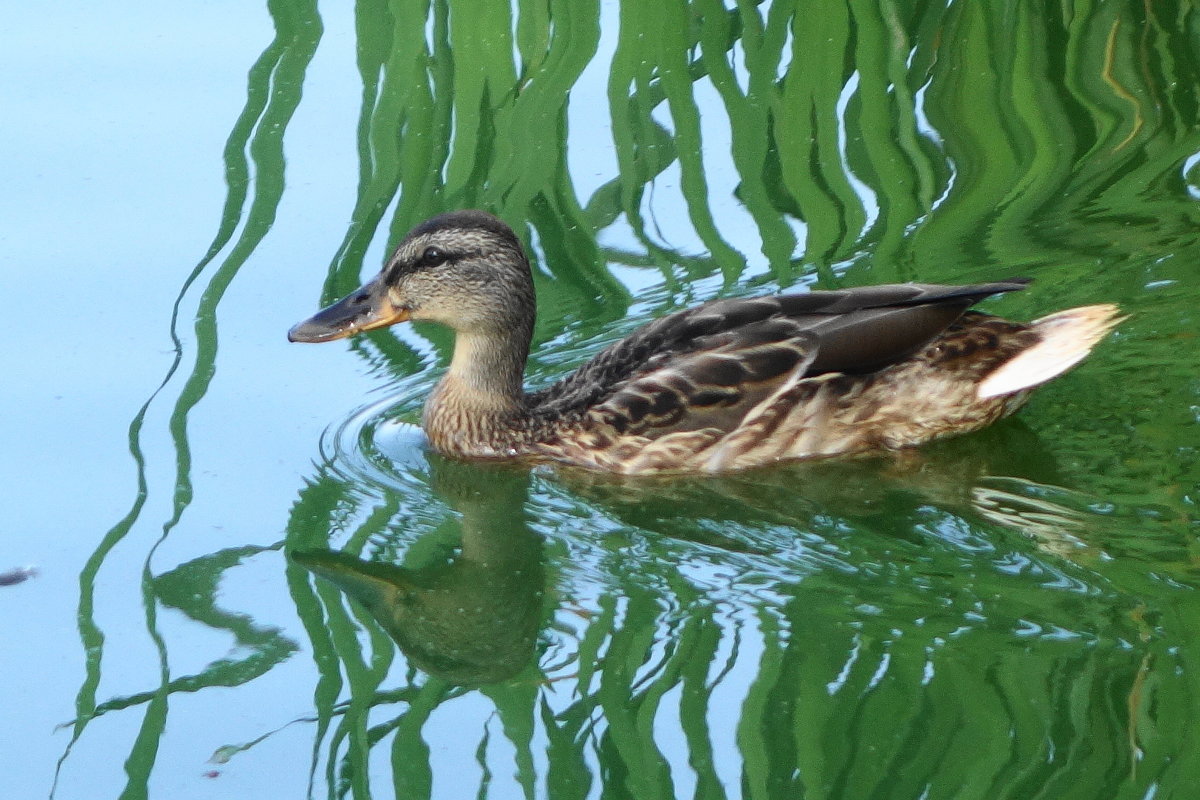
(1067, 337)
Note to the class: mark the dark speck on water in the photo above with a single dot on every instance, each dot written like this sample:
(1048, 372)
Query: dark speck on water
(18, 575)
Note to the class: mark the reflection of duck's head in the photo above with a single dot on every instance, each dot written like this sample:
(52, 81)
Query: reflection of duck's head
(726, 385)
(471, 618)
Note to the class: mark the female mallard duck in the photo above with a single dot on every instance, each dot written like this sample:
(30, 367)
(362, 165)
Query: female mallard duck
(726, 385)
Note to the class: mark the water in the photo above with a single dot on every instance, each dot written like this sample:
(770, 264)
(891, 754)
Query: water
(252, 579)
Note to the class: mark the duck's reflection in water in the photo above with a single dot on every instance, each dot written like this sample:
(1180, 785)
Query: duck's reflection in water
(471, 619)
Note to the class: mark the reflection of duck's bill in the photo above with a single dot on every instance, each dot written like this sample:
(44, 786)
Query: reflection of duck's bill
(365, 580)
(366, 308)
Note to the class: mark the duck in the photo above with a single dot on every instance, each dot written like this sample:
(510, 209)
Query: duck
(727, 385)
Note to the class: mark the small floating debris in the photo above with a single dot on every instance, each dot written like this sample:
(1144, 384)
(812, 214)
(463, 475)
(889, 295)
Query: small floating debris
(18, 575)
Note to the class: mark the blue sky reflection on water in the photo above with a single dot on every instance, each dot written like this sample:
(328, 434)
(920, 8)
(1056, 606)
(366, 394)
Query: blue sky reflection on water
(112, 190)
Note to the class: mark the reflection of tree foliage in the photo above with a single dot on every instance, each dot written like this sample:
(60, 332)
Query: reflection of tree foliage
(828, 618)
(777, 636)
(253, 167)
(923, 136)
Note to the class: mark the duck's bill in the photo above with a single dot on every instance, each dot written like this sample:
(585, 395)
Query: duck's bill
(364, 309)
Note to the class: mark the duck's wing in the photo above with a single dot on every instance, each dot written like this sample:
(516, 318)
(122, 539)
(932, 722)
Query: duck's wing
(706, 366)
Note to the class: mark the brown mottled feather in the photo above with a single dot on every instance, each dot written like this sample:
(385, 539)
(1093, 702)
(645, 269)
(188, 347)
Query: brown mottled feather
(854, 330)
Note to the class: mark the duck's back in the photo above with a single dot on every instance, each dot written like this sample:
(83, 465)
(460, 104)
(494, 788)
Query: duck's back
(741, 382)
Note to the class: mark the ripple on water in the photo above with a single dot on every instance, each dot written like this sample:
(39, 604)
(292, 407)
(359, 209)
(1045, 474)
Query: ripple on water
(373, 448)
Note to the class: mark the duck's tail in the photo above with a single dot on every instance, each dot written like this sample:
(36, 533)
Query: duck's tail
(1066, 339)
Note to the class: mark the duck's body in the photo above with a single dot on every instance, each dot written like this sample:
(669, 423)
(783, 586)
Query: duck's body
(723, 386)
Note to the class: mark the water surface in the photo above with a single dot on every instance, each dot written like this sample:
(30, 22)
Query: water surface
(254, 580)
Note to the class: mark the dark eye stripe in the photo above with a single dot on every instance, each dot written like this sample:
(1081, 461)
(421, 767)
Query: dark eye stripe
(431, 258)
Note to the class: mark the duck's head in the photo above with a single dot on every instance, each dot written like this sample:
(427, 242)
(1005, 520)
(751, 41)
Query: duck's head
(464, 269)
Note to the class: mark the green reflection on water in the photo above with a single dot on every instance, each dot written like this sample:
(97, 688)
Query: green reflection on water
(1006, 616)
(259, 131)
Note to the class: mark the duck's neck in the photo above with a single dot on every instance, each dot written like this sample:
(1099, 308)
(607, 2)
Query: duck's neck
(481, 397)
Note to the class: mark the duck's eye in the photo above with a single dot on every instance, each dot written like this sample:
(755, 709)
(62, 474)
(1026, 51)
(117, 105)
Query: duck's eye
(433, 256)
